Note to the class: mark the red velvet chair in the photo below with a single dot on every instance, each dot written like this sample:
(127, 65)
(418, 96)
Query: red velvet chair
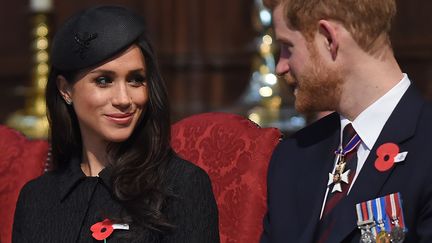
(21, 160)
(233, 150)
(235, 153)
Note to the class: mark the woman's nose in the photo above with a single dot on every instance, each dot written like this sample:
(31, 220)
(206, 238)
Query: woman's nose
(121, 96)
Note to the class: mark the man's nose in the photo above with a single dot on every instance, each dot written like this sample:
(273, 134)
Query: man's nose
(282, 66)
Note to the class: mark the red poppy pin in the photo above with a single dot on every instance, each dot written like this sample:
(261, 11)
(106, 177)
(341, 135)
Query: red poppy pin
(102, 230)
(387, 155)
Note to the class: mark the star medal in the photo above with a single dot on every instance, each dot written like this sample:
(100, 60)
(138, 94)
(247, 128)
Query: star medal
(378, 206)
(397, 235)
(383, 237)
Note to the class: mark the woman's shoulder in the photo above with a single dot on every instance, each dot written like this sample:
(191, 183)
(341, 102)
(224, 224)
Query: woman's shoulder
(47, 179)
(192, 209)
(180, 167)
(181, 170)
(190, 185)
(42, 186)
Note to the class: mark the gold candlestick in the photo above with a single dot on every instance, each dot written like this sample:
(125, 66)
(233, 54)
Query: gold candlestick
(32, 119)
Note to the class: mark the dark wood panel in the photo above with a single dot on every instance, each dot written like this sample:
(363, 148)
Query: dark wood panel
(205, 47)
(15, 59)
(15, 38)
(63, 8)
(412, 42)
(412, 34)
(204, 51)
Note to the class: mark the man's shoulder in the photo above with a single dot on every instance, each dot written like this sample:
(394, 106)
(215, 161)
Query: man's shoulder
(427, 109)
(314, 133)
(308, 141)
(423, 121)
(323, 127)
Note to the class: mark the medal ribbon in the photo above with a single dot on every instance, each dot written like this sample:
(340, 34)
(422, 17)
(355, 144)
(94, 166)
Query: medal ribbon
(385, 217)
(371, 216)
(359, 212)
(365, 217)
(394, 210)
(377, 214)
(383, 223)
(351, 145)
(365, 212)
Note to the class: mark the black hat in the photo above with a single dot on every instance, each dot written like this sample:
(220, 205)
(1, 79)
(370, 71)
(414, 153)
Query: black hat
(94, 35)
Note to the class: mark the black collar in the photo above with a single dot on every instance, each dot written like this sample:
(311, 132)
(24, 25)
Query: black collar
(73, 175)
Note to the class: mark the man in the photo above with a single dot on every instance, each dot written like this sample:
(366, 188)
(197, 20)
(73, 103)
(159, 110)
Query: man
(336, 55)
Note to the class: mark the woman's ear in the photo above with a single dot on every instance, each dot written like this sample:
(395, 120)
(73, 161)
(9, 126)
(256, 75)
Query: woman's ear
(64, 89)
(329, 30)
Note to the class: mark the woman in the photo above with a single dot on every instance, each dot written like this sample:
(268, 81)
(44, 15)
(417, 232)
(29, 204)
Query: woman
(114, 176)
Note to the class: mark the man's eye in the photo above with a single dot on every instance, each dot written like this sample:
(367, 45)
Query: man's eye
(285, 50)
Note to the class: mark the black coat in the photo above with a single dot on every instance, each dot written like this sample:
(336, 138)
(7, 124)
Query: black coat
(62, 206)
(298, 175)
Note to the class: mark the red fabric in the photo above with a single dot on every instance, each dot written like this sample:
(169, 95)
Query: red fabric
(235, 152)
(21, 160)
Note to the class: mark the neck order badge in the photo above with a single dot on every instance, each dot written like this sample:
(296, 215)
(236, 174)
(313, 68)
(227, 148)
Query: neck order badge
(340, 175)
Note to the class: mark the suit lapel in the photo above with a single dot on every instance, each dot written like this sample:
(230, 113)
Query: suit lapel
(325, 163)
(399, 128)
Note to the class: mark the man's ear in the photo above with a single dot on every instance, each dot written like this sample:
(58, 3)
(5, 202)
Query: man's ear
(329, 30)
(64, 88)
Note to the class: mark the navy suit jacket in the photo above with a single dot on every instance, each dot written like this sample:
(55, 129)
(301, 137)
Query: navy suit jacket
(298, 175)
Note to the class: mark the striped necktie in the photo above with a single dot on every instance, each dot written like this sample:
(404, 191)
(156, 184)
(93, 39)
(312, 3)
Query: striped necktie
(339, 181)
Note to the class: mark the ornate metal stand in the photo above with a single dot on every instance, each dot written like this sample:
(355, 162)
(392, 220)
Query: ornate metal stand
(32, 119)
(267, 106)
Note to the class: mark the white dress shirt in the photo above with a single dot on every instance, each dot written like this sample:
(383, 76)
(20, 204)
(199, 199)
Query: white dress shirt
(369, 124)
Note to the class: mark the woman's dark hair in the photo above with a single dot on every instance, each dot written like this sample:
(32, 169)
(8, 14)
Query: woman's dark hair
(139, 164)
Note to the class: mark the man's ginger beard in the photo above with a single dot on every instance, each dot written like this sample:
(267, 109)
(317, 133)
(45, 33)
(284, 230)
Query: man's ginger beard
(318, 86)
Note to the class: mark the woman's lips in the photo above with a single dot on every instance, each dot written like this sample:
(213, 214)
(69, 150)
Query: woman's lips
(120, 118)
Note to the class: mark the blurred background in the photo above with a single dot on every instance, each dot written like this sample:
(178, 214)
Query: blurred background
(214, 55)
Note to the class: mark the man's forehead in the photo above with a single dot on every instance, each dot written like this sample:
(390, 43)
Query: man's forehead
(271, 4)
(281, 23)
(278, 16)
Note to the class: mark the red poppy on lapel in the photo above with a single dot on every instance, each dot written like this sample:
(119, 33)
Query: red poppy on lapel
(386, 156)
(102, 230)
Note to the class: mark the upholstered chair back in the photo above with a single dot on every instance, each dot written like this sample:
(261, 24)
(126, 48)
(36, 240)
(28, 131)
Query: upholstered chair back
(235, 152)
(21, 160)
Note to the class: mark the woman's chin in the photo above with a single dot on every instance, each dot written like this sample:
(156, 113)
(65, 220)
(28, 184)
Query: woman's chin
(117, 138)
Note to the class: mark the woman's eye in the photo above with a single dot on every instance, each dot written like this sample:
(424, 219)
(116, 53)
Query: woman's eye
(138, 80)
(103, 81)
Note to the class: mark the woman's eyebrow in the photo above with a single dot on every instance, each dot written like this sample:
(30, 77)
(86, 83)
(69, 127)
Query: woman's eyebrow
(137, 70)
(104, 71)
